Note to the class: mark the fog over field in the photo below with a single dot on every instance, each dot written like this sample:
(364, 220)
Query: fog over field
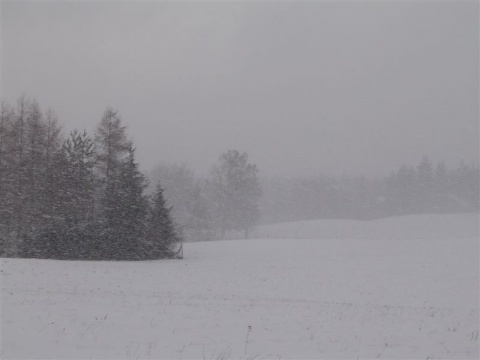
(239, 180)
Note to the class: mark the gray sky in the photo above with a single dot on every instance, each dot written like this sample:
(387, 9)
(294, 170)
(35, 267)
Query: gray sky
(357, 87)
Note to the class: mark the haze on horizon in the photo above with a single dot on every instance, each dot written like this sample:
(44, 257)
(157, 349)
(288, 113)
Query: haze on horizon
(303, 87)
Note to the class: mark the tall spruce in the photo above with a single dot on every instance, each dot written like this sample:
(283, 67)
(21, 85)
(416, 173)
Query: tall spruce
(128, 206)
(122, 205)
(111, 149)
(162, 234)
(77, 179)
(112, 145)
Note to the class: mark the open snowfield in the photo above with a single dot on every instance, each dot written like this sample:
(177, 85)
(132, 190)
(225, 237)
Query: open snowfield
(404, 287)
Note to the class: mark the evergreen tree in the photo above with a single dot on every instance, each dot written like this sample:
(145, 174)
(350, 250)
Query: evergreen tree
(111, 150)
(131, 207)
(77, 180)
(111, 144)
(161, 232)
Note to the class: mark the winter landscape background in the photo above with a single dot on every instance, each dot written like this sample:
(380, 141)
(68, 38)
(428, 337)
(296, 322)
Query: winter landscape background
(242, 180)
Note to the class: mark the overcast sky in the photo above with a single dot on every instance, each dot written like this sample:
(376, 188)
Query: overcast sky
(357, 87)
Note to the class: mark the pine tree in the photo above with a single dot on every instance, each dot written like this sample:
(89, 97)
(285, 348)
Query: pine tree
(111, 150)
(111, 143)
(130, 208)
(161, 232)
(77, 179)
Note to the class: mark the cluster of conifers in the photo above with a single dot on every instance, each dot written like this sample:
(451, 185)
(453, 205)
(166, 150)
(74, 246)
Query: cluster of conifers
(77, 197)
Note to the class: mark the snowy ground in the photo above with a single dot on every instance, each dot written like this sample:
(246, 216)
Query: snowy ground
(394, 288)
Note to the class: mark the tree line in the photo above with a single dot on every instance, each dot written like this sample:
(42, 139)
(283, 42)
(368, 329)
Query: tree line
(83, 197)
(424, 188)
(79, 197)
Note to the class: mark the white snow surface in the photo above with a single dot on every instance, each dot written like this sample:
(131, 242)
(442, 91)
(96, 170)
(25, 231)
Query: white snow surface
(404, 287)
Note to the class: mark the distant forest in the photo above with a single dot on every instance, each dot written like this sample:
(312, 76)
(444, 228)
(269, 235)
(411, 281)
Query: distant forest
(425, 188)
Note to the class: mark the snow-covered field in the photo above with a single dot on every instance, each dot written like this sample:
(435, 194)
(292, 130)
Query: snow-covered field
(403, 287)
